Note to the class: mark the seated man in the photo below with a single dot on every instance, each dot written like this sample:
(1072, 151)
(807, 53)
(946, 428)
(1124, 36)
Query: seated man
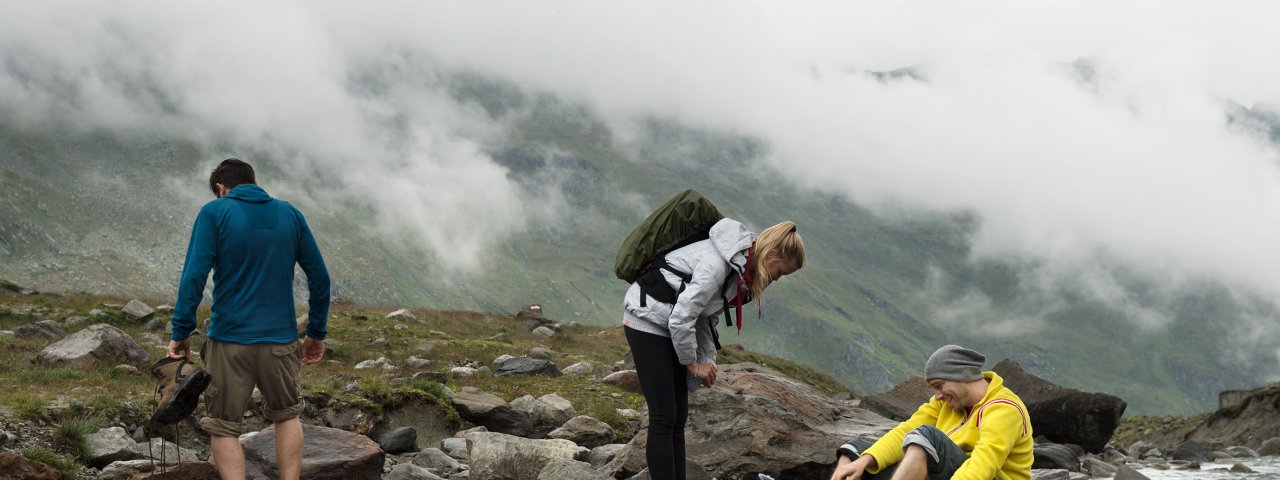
(973, 428)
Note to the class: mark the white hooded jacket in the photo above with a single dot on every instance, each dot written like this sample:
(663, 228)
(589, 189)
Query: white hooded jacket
(688, 323)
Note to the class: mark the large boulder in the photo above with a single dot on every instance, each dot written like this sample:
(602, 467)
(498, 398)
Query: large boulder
(758, 420)
(1270, 447)
(1192, 451)
(1064, 415)
(436, 460)
(409, 471)
(96, 345)
(492, 412)
(328, 454)
(692, 471)
(398, 440)
(901, 401)
(46, 329)
(585, 431)
(498, 456)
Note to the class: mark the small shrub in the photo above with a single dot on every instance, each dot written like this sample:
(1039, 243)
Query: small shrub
(71, 432)
(28, 406)
(45, 375)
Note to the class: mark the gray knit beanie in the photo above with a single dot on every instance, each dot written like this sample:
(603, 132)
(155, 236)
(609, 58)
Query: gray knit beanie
(955, 363)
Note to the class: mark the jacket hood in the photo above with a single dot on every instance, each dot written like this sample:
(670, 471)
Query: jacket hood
(249, 193)
(730, 237)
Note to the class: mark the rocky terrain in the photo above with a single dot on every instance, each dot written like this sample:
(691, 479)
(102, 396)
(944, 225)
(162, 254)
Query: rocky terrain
(414, 394)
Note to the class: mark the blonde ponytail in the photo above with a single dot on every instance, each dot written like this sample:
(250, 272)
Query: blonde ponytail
(785, 243)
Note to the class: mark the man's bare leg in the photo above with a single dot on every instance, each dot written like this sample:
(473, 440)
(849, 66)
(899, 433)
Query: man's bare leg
(228, 457)
(914, 465)
(289, 448)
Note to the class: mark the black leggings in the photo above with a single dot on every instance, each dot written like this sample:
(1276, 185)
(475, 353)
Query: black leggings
(662, 378)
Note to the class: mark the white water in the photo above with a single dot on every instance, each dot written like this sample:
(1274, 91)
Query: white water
(1268, 468)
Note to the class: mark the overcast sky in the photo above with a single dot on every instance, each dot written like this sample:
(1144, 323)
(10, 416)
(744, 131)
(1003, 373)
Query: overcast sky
(1078, 132)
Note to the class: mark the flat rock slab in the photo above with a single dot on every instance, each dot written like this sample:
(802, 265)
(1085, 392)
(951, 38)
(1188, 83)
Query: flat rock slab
(99, 344)
(328, 454)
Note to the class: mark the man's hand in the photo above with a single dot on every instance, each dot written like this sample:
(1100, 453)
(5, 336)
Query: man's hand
(312, 351)
(178, 349)
(705, 371)
(852, 470)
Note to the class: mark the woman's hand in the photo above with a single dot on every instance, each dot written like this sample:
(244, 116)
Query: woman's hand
(705, 371)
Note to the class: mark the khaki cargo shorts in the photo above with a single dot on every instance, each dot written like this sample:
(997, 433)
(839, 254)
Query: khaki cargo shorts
(236, 369)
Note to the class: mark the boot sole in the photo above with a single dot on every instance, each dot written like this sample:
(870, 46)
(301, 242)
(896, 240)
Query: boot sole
(184, 401)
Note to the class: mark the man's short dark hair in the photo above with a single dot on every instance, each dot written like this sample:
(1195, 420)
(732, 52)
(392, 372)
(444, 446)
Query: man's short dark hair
(231, 173)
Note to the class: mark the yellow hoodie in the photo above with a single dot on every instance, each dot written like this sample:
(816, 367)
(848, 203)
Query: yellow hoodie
(995, 434)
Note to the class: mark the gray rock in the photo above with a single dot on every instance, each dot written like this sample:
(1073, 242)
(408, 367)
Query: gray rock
(1138, 449)
(1241, 468)
(502, 358)
(45, 329)
(98, 313)
(562, 469)
(1050, 474)
(437, 461)
(1098, 468)
(137, 311)
(501, 337)
(160, 449)
(584, 431)
(539, 353)
(1192, 451)
(399, 440)
(409, 471)
(1126, 472)
(757, 419)
(74, 321)
(603, 454)
(4, 439)
(6, 333)
(544, 413)
(462, 371)
(456, 448)
(1053, 456)
(99, 344)
(381, 362)
(1270, 447)
(328, 454)
(416, 362)
(528, 366)
(402, 314)
(1242, 452)
(164, 309)
(544, 332)
(490, 411)
(499, 456)
(580, 369)
(111, 445)
(155, 324)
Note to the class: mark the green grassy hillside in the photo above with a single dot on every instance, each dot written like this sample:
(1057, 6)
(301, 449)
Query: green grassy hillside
(110, 213)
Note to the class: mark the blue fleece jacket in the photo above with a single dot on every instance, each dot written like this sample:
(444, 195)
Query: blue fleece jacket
(251, 242)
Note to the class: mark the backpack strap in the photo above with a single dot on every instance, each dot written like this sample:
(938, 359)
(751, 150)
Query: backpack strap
(653, 284)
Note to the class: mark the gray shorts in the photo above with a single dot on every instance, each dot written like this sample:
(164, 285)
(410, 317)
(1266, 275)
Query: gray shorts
(943, 456)
(236, 369)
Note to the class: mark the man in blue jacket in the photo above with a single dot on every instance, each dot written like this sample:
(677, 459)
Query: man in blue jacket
(251, 242)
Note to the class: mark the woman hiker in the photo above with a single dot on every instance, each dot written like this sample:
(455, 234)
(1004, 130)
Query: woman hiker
(672, 340)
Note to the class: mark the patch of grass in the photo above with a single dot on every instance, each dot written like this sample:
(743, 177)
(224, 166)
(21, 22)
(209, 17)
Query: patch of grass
(49, 375)
(28, 406)
(66, 466)
(70, 435)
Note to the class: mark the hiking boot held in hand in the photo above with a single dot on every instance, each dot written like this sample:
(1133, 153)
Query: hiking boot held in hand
(181, 384)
